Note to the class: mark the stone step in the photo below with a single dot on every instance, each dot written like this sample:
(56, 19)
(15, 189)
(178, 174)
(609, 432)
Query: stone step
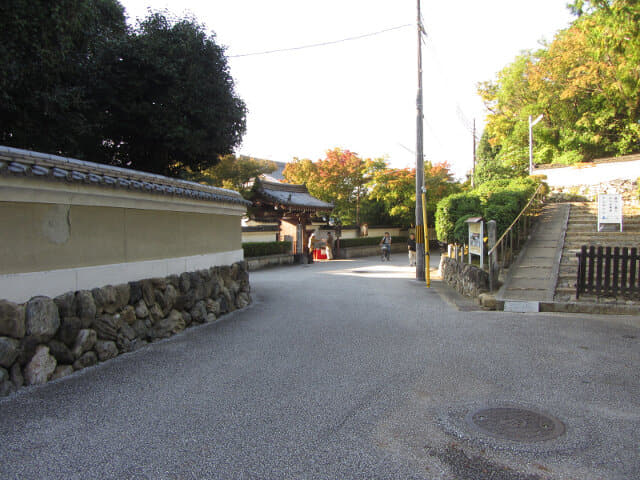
(524, 294)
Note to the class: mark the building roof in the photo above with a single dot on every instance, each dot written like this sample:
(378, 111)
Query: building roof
(24, 163)
(294, 197)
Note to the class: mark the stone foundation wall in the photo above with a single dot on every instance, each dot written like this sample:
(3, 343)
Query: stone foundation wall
(627, 188)
(467, 279)
(45, 339)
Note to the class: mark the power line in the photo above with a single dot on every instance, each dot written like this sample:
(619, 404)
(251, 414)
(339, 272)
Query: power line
(314, 45)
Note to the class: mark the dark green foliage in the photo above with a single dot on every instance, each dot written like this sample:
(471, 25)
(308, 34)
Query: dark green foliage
(501, 200)
(75, 81)
(260, 249)
(452, 208)
(364, 241)
(174, 104)
(48, 53)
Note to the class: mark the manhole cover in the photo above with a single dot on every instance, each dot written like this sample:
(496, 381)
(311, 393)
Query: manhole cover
(516, 424)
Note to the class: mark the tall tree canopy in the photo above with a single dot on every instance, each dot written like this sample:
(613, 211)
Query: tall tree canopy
(586, 83)
(76, 81)
(47, 51)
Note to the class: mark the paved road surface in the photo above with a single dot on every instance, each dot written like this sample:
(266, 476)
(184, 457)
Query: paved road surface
(340, 370)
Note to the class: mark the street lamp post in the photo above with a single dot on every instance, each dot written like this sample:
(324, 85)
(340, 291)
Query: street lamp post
(531, 125)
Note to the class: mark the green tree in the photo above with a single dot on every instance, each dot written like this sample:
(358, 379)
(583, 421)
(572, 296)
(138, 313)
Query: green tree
(47, 52)
(170, 99)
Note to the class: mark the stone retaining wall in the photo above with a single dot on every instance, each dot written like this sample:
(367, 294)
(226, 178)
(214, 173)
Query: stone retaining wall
(45, 339)
(467, 279)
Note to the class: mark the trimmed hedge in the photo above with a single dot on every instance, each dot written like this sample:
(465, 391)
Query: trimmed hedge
(500, 200)
(260, 249)
(365, 241)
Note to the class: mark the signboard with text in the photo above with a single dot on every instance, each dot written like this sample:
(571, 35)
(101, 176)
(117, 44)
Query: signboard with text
(609, 209)
(476, 238)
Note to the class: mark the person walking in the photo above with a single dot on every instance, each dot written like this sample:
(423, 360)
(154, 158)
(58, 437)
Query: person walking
(329, 247)
(385, 243)
(312, 246)
(411, 246)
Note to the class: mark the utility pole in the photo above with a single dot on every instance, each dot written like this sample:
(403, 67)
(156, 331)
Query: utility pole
(473, 170)
(420, 240)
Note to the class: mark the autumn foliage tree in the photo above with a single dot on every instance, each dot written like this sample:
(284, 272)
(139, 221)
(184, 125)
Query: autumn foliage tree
(586, 83)
(341, 178)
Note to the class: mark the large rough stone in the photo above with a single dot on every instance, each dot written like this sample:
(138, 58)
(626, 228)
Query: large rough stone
(16, 375)
(211, 317)
(65, 304)
(155, 313)
(107, 326)
(148, 294)
(12, 321)
(6, 385)
(123, 294)
(85, 308)
(199, 312)
(167, 299)
(174, 280)
(41, 318)
(159, 282)
(61, 352)
(185, 301)
(243, 300)
(171, 325)
(197, 286)
(135, 292)
(9, 349)
(28, 347)
(62, 371)
(86, 360)
(187, 318)
(41, 367)
(185, 282)
(106, 299)
(128, 332)
(141, 309)
(213, 306)
(68, 331)
(128, 314)
(141, 329)
(85, 341)
(106, 349)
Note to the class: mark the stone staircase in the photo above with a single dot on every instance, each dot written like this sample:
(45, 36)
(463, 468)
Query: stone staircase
(531, 279)
(582, 230)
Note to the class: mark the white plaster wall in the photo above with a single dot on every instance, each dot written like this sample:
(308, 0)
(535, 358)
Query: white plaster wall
(590, 174)
(20, 287)
(258, 237)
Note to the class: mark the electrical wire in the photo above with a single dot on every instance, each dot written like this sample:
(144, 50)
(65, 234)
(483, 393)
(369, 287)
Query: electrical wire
(322, 44)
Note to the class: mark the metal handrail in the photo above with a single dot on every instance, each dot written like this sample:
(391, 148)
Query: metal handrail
(529, 203)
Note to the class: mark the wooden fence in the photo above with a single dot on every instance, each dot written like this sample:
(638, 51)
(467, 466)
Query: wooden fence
(606, 271)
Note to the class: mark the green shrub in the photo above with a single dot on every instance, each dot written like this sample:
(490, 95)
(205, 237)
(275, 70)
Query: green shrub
(499, 199)
(260, 249)
(450, 209)
(364, 241)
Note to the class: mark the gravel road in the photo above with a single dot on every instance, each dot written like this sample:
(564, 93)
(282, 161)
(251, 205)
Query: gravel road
(341, 370)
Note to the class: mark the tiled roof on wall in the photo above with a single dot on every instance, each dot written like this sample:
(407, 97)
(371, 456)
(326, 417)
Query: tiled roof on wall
(25, 163)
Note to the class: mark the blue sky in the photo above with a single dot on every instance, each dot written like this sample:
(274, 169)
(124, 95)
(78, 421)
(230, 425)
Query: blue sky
(360, 95)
